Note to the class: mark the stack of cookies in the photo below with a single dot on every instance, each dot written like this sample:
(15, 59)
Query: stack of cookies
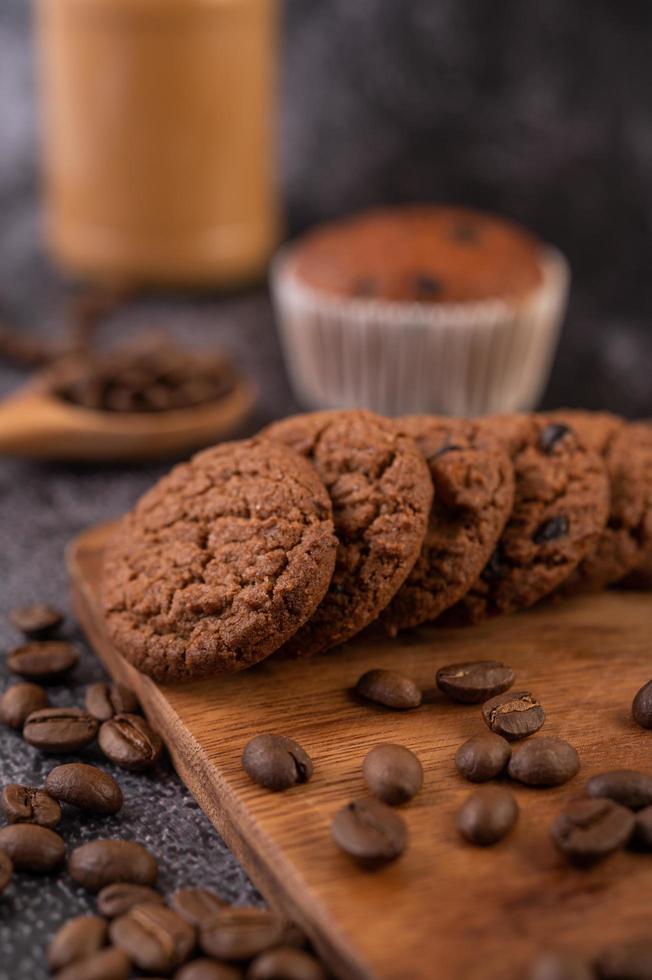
(296, 540)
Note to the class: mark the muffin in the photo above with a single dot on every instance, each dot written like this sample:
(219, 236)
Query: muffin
(419, 308)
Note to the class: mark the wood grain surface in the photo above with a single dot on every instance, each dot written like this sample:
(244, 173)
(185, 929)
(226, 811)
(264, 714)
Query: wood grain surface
(445, 910)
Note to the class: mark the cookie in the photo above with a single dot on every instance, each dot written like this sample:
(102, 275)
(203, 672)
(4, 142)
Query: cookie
(561, 501)
(381, 492)
(626, 541)
(473, 484)
(220, 562)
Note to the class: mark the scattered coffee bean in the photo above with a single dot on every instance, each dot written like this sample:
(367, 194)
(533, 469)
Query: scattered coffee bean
(19, 701)
(104, 701)
(276, 762)
(107, 964)
(196, 905)
(6, 871)
(23, 804)
(43, 660)
(116, 899)
(60, 729)
(36, 620)
(487, 815)
(475, 681)
(561, 966)
(625, 786)
(154, 937)
(556, 527)
(369, 832)
(544, 761)
(77, 939)
(241, 933)
(514, 715)
(483, 757)
(286, 963)
(86, 787)
(643, 829)
(642, 706)
(206, 969)
(551, 435)
(129, 741)
(32, 848)
(629, 960)
(389, 688)
(104, 862)
(588, 830)
(392, 773)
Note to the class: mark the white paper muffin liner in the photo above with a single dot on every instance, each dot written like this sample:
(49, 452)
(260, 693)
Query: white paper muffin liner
(397, 358)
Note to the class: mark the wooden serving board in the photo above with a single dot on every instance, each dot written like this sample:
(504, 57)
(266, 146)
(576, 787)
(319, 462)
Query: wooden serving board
(445, 909)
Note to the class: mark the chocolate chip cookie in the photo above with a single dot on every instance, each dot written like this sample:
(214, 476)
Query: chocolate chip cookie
(561, 502)
(473, 482)
(381, 492)
(220, 562)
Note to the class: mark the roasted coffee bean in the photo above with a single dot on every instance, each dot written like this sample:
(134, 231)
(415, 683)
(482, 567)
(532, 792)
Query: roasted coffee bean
(103, 862)
(116, 899)
(643, 829)
(129, 741)
(241, 933)
(392, 773)
(6, 871)
(154, 937)
(588, 830)
(107, 964)
(206, 969)
(43, 660)
(642, 706)
(23, 804)
(483, 757)
(625, 786)
(561, 966)
(628, 960)
(556, 527)
(19, 701)
(369, 832)
(544, 761)
(36, 620)
(487, 815)
(551, 435)
(389, 688)
(77, 939)
(286, 963)
(60, 729)
(276, 762)
(104, 701)
(196, 905)
(475, 681)
(514, 715)
(86, 787)
(32, 848)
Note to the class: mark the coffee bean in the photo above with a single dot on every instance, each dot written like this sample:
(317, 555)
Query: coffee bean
(154, 937)
(369, 832)
(276, 762)
(556, 527)
(487, 815)
(6, 871)
(551, 435)
(104, 701)
(628, 960)
(60, 729)
(514, 715)
(286, 963)
(483, 757)
(588, 830)
(32, 848)
(642, 706)
(561, 966)
(625, 786)
(43, 660)
(544, 761)
(392, 773)
(116, 899)
(103, 862)
(389, 688)
(86, 787)
(643, 829)
(36, 620)
(196, 905)
(206, 969)
(77, 939)
(23, 804)
(475, 681)
(129, 741)
(19, 701)
(241, 933)
(107, 964)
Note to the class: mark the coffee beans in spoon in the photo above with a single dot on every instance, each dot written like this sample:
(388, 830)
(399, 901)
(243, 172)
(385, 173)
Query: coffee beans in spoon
(60, 729)
(483, 757)
(369, 832)
(32, 848)
(389, 688)
(487, 815)
(86, 787)
(392, 773)
(276, 762)
(24, 804)
(514, 715)
(474, 681)
(130, 742)
(19, 701)
(77, 939)
(544, 761)
(642, 706)
(47, 661)
(36, 620)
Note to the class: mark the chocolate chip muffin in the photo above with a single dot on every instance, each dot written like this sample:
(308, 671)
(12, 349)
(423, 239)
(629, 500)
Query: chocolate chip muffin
(220, 562)
(381, 493)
